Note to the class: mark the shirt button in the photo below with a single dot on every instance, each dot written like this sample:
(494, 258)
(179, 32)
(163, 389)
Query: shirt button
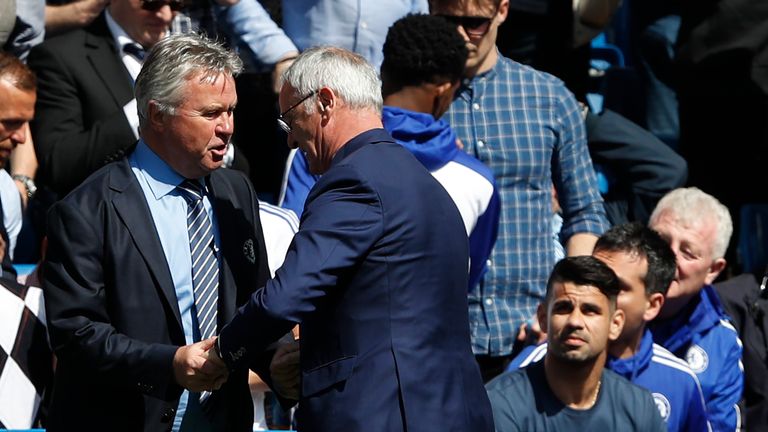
(489, 263)
(489, 301)
(480, 143)
(475, 106)
(363, 24)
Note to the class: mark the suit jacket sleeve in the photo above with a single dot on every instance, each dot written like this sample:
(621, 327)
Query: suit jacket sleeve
(77, 129)
(78, 319)
(342, 221)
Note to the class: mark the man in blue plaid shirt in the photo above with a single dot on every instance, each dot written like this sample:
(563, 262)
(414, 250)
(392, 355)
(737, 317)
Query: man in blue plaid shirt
(527, 127)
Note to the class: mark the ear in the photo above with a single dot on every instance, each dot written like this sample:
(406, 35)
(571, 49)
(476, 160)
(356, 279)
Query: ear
(655, 302)
(714, 269)
(326, 101)
(156, 117)
(541, 315)
(503, 11)
(446, 87)
(616, 325)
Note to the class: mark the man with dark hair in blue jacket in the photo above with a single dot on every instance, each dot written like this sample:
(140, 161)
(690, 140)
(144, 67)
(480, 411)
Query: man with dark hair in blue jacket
(645, 267)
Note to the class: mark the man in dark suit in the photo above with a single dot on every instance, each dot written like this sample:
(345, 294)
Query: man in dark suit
(86, 111)
(153, 252)
(376, 274)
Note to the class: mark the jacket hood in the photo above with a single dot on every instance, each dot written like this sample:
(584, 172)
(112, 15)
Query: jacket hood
(433, 142)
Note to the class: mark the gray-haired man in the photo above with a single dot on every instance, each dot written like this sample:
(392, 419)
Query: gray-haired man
(151, 253)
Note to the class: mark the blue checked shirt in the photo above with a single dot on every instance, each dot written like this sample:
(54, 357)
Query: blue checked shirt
(527, 127)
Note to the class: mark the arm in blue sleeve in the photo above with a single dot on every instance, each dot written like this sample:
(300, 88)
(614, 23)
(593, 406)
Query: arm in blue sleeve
(251, 26)
(573, 174)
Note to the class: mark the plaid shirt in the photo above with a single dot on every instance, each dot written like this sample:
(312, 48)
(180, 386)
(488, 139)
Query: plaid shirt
(527, 127)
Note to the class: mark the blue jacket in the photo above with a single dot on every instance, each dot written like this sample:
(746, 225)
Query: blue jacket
(376, 276)
(672, 383)
(703, 335)
(468, 181)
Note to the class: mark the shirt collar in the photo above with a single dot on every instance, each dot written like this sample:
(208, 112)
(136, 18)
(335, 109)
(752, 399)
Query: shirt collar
(368, 137)
(118, 34)
(160, 177)
(467, 84)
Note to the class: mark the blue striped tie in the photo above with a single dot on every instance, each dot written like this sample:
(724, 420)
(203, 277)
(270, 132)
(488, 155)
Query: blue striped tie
(205, 267)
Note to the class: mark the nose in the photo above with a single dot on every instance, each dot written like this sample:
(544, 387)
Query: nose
(19, 136)
(165, 13)
(575, 319)
(463, 33)
(226, 123)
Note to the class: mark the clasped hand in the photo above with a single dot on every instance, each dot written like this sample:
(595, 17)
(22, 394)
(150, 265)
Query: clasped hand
(197, 368)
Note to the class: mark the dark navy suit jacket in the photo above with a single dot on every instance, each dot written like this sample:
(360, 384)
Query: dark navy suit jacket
(111, 305)
(377, 277)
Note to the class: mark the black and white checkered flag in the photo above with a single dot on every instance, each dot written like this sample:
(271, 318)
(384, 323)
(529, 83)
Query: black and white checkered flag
(25, 354)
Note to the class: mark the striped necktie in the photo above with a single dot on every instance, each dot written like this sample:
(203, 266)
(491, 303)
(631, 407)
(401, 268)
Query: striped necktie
(135, 50)
(205, 266)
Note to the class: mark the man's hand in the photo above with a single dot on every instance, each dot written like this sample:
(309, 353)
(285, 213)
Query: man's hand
(197, 368)
(531, 333)
(286, 370)
(281, 66)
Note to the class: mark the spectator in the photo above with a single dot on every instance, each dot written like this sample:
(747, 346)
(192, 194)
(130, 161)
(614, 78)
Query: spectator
(570, 389)
(86, 110)
(527, 127)
(122, 288)
(692, 324)
(17, 91)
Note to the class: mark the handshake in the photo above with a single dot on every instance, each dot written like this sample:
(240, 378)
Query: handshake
(198, 368)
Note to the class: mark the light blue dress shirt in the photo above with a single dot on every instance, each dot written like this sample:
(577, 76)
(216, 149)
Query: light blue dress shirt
(357, 25)
(158, 181)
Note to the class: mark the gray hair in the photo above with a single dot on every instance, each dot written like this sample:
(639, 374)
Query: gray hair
(172, 61)
(348, 74)
(692, 205)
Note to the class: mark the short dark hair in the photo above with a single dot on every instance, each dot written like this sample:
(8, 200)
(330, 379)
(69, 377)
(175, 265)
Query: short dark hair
(422, 49)
(636, 238)
(16, 72)
(585, 270)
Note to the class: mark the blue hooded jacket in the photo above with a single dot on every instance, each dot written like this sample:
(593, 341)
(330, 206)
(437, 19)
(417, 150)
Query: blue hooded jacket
(703, 335)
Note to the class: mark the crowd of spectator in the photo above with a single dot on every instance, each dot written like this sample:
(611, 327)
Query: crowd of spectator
(153, 217)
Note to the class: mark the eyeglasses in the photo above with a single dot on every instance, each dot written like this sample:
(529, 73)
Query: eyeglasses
(475, 26)
(156, 5)
(281, 118)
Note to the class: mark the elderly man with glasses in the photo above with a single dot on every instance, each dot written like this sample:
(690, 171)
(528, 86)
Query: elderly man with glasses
(376, 274)
(527, 127)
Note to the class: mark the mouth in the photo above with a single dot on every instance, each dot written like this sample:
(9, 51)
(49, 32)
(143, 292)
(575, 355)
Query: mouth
(219, 151)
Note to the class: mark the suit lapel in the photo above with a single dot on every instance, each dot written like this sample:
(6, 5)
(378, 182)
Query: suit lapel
(131, 206)
(222, 207)
(105, 60)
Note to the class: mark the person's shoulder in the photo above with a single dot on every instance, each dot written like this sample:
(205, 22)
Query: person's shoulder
(528, 74)
(664, 359)
(67, 41)
(100, 187)
(275, 216)
(517, 382)
(475, 165)
(623, 389)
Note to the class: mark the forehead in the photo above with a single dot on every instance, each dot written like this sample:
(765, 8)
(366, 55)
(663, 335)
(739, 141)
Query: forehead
(464, 7)
(700, 232)
(628, 266)
(199, 85)
(578, 294)
(15, 99)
